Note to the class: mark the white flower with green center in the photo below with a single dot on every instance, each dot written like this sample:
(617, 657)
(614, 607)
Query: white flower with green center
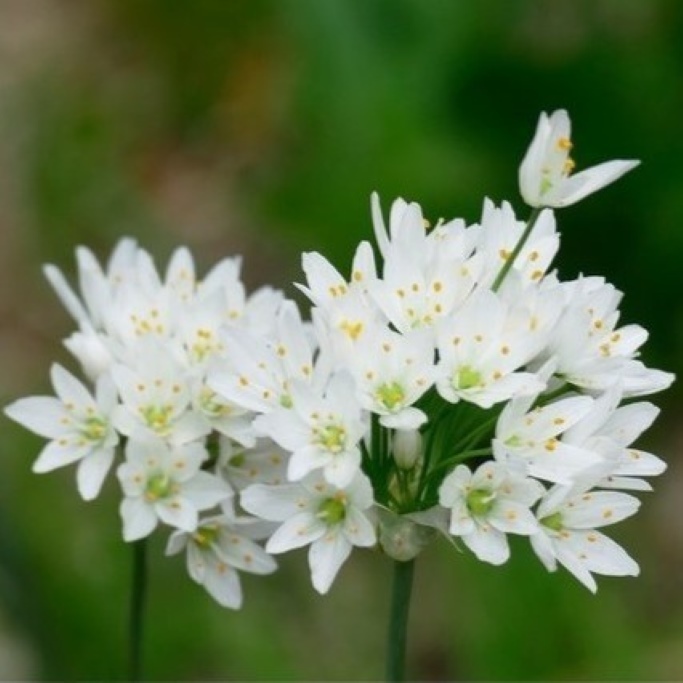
(162, 482)
(567, 533)
(78, 426)
(486, 505)
(217, 550)
(392, 373)
(155, 398)
(482, 350)
(532, 438)
(545, 173)
(320, 432)
(313, 512)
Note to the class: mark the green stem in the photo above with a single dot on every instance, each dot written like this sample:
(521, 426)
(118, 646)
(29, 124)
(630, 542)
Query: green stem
(398, 621)
(515, 252)
(137, 609)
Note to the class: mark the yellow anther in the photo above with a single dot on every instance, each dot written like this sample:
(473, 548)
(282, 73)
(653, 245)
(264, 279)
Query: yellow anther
(564, 144)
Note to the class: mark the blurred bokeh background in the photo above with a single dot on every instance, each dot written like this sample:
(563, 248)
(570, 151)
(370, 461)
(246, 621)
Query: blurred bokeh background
(260, 127)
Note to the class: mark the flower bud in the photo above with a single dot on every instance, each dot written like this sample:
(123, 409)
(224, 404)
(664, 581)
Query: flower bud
(407, 447)
(401, 538)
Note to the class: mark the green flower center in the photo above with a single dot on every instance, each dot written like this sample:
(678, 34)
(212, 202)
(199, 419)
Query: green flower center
(333, 510)
(466, 378)
(206, 536)
(514, 441)
(209, 404)
(286, 401)
(157, 417)
(391, 395)
(332, 438)
(159, 486)
(94, 429)
(480, 502)
(553, 521)
(237, 460)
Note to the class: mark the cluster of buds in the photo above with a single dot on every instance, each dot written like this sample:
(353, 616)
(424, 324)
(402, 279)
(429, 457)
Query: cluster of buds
(451, 385)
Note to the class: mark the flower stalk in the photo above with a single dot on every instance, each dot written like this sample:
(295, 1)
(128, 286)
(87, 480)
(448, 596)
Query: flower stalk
(401, 590)
(137, 609)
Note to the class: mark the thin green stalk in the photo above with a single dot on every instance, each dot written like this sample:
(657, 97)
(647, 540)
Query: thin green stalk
(137, 609)
(401, 590)
(475, 435)
(515, 252)
(460, 457)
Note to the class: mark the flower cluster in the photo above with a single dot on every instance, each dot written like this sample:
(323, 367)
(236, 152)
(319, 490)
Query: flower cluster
(452, 384)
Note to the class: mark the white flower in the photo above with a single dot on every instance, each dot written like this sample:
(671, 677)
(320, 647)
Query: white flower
(92, 349)
(326, 287)
(482, 348)
(531, 438)
(500, 233)
(609, 431)
(567, 533)
(321, 432)
(96, 287)
(264, 463)
(162, 482)
(488, 504)
(425, 275)
(591, 352)
(256, 312)
(78, 426)
(155, 397)
(220, 547)
(391, 374)
(257, 371)
(314, 512)
(544, 175)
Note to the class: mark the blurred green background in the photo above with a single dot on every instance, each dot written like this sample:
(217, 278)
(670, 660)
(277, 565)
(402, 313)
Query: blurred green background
(261, 127)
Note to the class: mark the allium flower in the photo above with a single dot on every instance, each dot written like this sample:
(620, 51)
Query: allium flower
(501, 230)
(567, 533)
(488, 504)
(426, 274)
(330, 519)
(162, 482)
(78, 426)
(218, 549)
(263, 463)
(609, 431)
(392, 373)
(155, 398)
(321, 432)
(589, 349)
(532, 438)
(257, 371)
(545, 173)
(482, 350)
